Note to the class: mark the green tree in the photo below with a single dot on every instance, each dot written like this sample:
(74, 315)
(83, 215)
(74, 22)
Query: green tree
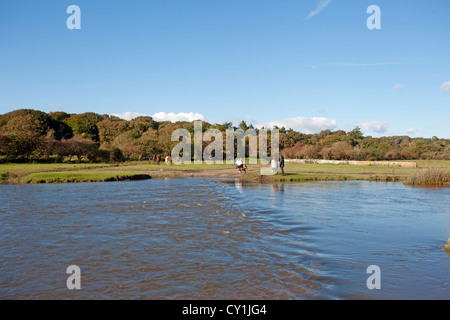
(243, 125)
(61, 130)
(85, 125)
(356, 134)
(59, 115)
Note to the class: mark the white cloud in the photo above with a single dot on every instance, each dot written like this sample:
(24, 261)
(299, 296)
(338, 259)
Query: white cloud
(128, 115)
(174, 117)
(301, 124)
(375, 126)
(411, 130)
(399, 87)
(320, 7)
(237, 120)
(163, 116)
(446, 86)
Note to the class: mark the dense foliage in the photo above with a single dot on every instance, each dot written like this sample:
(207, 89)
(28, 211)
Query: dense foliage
(30, 135)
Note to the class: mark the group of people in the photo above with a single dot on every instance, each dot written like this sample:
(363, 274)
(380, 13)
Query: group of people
(274, 164)
(240, 165)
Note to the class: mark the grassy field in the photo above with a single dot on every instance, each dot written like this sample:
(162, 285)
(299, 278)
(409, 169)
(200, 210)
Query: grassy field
(295, 172)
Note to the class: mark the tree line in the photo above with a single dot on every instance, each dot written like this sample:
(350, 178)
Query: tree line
(31, 135)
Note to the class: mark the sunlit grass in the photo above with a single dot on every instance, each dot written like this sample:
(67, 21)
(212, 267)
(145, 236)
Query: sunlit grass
(295, 172)
(429, 177)
(81, 176)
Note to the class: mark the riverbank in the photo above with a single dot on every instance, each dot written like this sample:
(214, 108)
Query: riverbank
(295, 172)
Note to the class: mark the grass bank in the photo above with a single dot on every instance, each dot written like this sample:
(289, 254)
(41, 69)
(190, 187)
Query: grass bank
(295, 172)
(429, 177)
(82, 176)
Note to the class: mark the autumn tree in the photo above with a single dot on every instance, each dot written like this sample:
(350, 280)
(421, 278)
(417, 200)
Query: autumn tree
(109, 129)
(81, 147)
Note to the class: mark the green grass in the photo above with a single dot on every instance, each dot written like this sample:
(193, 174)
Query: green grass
(433, 163)
(295, 172)
(181, 167)
(329, 177)
(82, 176)
(346, 168)
(19, 169)
(299, 172)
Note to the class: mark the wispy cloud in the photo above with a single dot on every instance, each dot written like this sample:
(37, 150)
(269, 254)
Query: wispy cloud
(174, 117)
(55, 107)
(375, 64)
(163, 116)
(399, 87)
(374, 126)
(314, 66)
(321, 110)
(411, 130)
(350, 64)
(446, 86)
(301, 124)
(128, 115)
(320, 7)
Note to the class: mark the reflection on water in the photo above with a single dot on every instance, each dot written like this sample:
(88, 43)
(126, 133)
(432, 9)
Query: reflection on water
(223, 239)
(239, 183)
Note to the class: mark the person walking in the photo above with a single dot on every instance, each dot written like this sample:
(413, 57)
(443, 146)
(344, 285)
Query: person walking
(282, 165)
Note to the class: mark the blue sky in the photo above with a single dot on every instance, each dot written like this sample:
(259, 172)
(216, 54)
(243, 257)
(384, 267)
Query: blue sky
(310, 64)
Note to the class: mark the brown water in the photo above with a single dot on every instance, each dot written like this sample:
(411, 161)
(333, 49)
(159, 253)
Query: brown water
(223, 239)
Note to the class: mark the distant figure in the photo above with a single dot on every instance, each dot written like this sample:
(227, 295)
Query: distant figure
(282, 165)
(168, 161)
(274, 165)
(158, 159)
(240, 166)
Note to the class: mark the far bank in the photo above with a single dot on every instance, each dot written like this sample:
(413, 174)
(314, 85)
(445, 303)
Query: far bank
(13, 173)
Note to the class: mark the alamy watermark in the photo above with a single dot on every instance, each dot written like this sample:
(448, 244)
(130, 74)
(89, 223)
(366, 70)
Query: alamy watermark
(74, 20)
(213, 153)
(374, 21)
(374, 280)
(74, 281)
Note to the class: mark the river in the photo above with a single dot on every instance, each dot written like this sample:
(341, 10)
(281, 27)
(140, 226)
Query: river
(224, 239)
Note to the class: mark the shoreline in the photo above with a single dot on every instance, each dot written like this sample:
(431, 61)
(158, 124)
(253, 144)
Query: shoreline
(295, 172)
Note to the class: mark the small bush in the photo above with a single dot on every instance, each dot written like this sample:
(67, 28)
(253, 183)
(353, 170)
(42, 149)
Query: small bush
(429, 177)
